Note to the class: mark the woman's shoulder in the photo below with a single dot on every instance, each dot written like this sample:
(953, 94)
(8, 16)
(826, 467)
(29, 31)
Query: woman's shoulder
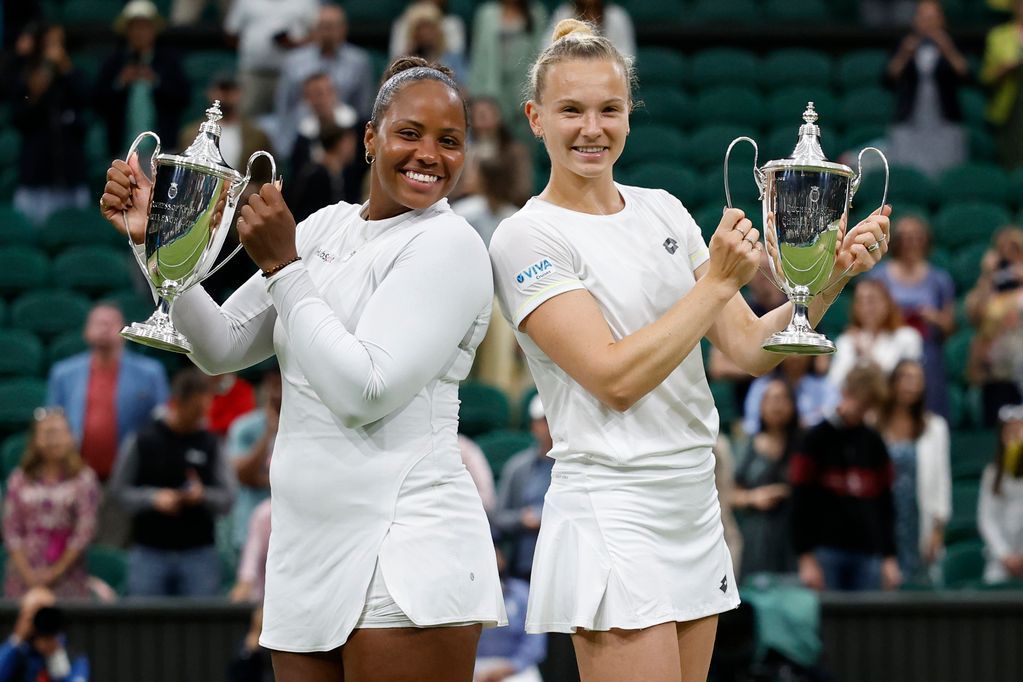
(328, 219)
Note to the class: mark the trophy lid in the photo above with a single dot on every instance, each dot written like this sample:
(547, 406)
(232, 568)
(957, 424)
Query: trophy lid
(808, 154)
(204, 152)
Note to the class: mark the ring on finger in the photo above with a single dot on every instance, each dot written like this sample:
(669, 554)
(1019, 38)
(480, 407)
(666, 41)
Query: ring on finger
(874, 247)
(102, 204)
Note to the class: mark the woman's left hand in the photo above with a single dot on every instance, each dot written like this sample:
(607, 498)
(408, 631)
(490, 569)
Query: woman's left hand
(267, 229)
(858, 247)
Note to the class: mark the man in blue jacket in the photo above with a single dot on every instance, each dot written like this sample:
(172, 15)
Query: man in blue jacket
(35, 650)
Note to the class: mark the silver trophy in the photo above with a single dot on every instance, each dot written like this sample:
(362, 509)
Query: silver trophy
(182, 239)
(806, 201)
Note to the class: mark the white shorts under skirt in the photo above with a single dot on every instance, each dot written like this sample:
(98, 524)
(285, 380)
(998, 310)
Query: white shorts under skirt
(628, 547)
(381, 611)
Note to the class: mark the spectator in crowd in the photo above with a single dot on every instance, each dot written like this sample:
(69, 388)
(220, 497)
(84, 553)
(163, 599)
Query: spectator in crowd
(252, 664)
(762, 495)
(240, 136)
(188, 12)
(348, 67)
(842, 509)
(479, 469)
(173, 480)
(451, 25)
(142, 85)
(995, 307)
(49, 512)
(876, 334)
(611, 20)
(106, 392)
(47, 108)
(264, 31)
(510, 654)
(925, 74)
(1000, 510)
(524, 482)
(926, 298)
(18, 16)
(494, 203)
(233, 397)
(424, 22)
(250, 443)
(1001, 72)
(918, 444)
(506, 37)
(35, 651)
(322, 110)
(251, 578)
(814, 395)
(490, 139)
(322, 180)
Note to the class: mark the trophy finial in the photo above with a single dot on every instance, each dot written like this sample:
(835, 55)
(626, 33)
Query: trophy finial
(810, 115)
(214, 114)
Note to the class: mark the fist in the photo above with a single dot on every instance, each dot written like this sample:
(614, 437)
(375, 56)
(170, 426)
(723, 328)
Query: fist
(266, 228)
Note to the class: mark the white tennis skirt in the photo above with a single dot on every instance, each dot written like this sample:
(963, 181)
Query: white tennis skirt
(628, 547)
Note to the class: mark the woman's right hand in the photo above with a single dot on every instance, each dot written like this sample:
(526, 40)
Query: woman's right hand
(734, 250)
(127, 189)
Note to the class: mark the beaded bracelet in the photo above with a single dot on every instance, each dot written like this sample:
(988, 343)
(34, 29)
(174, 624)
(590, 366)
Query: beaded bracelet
(277, 268)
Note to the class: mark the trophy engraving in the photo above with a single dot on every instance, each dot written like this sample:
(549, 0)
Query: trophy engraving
(805, 200)
(193, 201)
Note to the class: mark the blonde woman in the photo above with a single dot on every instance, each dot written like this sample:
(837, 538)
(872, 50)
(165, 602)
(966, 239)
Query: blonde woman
(49, 512)
(610, 289)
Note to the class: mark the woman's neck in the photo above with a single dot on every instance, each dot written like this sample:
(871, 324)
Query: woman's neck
(597, 196)
(50, 471)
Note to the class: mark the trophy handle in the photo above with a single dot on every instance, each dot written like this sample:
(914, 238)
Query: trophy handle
(236, 192)
(758, 175)
(152, 167)
(855, 186)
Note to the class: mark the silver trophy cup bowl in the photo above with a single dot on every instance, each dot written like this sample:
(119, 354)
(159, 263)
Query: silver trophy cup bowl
(184, 233)
(806, 201)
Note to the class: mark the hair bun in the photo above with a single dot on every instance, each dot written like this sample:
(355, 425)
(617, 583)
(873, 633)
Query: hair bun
(412, 62)
(569, 26)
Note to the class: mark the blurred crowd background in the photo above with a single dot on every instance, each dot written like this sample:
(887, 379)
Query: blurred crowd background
(896, 463)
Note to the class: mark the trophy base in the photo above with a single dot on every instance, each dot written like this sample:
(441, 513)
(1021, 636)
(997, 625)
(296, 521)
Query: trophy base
(798, 342)
(157, 337)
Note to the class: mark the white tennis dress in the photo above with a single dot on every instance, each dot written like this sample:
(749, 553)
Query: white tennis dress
(373, 329)
(631, 533)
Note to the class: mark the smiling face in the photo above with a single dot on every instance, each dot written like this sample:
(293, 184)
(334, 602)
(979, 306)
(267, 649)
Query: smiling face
(418, 147)
(583, 116)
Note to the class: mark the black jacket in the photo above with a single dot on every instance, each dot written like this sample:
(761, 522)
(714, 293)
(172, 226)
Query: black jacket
(905, 86)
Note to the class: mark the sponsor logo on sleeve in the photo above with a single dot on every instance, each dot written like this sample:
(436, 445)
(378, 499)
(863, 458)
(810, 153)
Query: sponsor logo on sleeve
(538, 271)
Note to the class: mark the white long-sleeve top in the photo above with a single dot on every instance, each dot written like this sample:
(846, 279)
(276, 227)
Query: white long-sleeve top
(885, 350)
(1000, 521)
(933, 476)
(373, 329)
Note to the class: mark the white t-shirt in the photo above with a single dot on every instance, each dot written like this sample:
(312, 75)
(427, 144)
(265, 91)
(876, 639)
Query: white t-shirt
(636, 263)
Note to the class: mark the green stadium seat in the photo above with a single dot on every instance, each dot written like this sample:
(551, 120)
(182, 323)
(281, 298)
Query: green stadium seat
(957, 355)
(963, 565)
(781, 142)
(379, 12)
(970, 222)
(730, 105)
(21, 353)
(483, 408)
(15, 228)
(974, 105)
(982, 144)
(654, 143)
(708, 218)
(971, 451)
(965, 267)
(836, 319)
(109, 564)
(200, 66)
(18, 399)
(501, 445)
(92, 269)
(659, 66)
(663, 106)
(135, 307)
(64, 346)
(645, 12)
(79, 227)
(724, 11)
(22, 268)
(796, 11)
(8, 182)
(707, 145)
(797, 67)
(786, 106)
(740, 180)
(1016, 185)
(974, 182)
(859, 136)
(711, 68)
(963, 524)
(379, 61)
(681, 182)
(909, 186)
(49, 312)
(724, 401)
(10, 146)
(865, 105)
(12, 452)
(862, 68)
(94, 12)
(522, 410)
